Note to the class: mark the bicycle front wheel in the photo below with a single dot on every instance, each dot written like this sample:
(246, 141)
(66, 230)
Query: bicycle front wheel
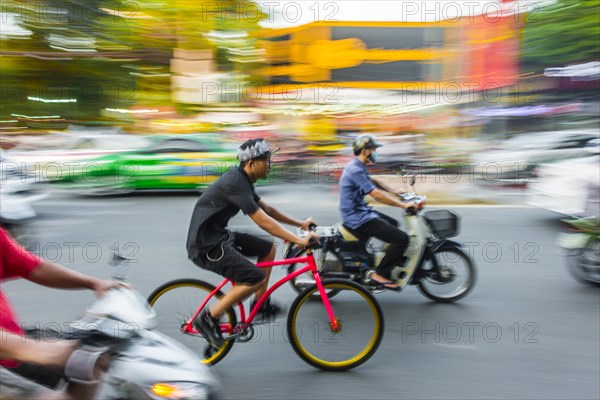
(359, 327)
(175, 304)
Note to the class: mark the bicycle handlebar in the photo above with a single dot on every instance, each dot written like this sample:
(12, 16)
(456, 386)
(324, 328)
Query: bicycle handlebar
(313, 243)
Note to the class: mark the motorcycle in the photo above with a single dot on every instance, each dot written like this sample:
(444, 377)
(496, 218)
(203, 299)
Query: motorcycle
(144, 364)
(582, 247)
(440, 269)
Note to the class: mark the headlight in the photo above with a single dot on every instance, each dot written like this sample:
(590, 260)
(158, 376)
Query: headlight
(180, 390)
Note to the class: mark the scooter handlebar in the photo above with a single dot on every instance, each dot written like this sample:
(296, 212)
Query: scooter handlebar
(419, 200)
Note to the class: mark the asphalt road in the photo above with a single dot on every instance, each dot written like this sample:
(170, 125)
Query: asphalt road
(527, 331)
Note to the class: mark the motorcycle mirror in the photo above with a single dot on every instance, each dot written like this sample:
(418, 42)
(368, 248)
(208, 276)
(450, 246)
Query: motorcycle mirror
(120, 263)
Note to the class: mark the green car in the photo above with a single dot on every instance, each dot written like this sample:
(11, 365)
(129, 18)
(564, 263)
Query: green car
(181, 162)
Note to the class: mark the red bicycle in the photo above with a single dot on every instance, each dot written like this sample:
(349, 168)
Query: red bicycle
(330, 334)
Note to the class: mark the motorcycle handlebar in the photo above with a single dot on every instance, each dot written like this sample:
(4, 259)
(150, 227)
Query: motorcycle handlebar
(417, 199)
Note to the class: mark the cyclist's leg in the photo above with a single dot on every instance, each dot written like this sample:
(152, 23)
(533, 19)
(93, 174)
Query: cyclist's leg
(264, 250)
(231, 264)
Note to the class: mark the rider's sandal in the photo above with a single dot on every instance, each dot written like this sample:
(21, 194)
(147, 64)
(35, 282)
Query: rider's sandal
(382, 285)
(81, 365)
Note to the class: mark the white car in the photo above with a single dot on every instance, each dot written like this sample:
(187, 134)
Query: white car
(569, 187)
(518, 158)
(17, 184)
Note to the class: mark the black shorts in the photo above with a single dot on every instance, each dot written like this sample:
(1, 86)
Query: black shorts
(229, 258)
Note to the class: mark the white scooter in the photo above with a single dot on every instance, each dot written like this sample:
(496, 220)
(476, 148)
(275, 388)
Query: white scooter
(438, 266)
(144, 364)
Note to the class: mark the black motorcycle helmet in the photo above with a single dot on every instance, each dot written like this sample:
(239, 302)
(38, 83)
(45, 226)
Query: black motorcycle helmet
(364, 142)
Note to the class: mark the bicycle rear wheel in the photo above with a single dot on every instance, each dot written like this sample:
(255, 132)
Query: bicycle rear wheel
(176, 302)
(360, 321)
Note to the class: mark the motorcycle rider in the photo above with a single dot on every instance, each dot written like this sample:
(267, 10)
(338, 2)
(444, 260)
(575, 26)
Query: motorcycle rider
(29, 368)
(213, 247)
(360, 218)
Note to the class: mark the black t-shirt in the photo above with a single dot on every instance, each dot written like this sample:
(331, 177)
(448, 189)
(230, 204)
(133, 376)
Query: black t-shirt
(229, 194)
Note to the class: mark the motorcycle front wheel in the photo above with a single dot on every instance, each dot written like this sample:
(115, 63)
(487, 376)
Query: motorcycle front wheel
(450, 278)
(585, 265)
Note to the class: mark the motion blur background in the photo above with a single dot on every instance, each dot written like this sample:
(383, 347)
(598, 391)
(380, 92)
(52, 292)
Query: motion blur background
(475, 92)
(111, 108)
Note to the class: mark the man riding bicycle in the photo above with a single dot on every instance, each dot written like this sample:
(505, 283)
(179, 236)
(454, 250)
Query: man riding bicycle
(213, 247)
(361, 219)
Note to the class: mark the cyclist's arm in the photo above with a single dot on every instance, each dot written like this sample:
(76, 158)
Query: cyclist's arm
(59, 277)
(278, 215)
(269, 224)
(18, 348)
(384, 198)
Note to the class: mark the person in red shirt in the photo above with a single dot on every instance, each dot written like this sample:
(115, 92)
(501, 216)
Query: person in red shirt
(20, 357)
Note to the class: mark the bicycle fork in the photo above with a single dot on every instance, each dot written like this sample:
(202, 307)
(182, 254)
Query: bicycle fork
(334, 323)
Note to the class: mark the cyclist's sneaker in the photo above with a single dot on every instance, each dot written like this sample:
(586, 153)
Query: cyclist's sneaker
(210, 329)
(269, 311)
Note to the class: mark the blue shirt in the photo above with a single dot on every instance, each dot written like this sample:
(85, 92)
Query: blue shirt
(355, 184)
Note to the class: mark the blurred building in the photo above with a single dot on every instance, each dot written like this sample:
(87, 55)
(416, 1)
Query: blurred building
(477, 53)
(396, 78)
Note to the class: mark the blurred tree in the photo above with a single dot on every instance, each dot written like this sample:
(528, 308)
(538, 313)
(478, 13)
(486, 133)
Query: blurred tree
(74, 58)
(565, 31)
(70, 65)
